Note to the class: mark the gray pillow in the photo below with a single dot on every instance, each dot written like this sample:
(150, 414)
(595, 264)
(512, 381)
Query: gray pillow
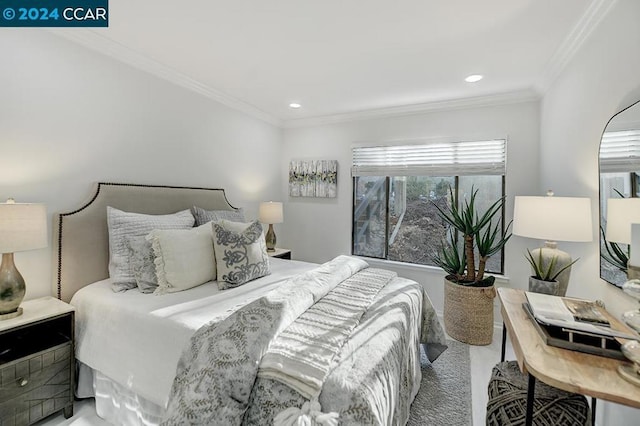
(241, 253)
(123, 225)
(205, 216)
(143, 267)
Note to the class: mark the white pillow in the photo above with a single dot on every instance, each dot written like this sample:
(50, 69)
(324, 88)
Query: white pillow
(123, 225)
(183, 258)
(241, 252)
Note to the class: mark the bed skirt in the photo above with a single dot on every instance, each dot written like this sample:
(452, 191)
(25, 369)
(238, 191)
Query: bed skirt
(115, 403)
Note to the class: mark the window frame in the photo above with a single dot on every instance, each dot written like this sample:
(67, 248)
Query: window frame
(456, 191)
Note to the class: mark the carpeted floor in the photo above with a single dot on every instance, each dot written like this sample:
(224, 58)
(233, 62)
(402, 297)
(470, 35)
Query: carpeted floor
(445, 393)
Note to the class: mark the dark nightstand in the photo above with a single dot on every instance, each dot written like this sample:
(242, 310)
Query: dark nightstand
(280, 253)
(37, 362)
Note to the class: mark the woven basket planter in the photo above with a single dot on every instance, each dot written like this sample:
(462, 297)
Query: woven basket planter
(468, 313)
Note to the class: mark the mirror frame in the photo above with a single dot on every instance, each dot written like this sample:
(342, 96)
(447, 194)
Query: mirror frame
(600, 212)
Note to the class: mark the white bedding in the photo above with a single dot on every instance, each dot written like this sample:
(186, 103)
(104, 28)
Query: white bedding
(112, 326)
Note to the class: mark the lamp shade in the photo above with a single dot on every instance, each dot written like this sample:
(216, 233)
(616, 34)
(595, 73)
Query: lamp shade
(553, 218)
(621, 214)
(271, 212)
(22, 227)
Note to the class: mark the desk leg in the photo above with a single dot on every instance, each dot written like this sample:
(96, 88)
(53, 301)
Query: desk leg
(530, 397)
(593, 411)
(504, 341)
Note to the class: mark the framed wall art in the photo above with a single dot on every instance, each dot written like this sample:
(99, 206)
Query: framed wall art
(313, 178)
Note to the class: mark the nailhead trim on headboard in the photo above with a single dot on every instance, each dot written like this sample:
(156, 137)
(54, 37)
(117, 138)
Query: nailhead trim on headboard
(99, 187)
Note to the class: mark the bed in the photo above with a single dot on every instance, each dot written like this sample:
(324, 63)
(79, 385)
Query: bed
(207, 354)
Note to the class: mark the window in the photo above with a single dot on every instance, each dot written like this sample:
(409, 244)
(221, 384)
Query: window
(620, 151)
(619, 163)
(396, 188)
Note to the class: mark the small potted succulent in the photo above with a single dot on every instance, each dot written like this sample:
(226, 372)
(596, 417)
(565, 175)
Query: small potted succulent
(544, 278)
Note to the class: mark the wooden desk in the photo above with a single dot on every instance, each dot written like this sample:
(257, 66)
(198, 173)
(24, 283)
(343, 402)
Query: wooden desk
(572, 371)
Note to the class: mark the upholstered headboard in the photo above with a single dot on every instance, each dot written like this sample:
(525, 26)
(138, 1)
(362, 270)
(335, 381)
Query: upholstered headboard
(81, 240)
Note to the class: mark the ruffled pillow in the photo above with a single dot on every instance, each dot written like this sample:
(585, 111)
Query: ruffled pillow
(183, 258)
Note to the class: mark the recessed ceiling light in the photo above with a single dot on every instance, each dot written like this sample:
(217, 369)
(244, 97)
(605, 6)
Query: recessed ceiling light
(294, 105)
(473, 78)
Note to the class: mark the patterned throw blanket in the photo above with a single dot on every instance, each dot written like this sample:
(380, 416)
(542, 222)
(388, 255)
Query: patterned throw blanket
(303, 354)
(216, 372)
(286, 341)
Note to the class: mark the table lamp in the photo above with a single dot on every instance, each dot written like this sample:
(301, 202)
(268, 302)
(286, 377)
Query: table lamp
(553, 219)
(271, 212)
(623, 226)
(22, 227)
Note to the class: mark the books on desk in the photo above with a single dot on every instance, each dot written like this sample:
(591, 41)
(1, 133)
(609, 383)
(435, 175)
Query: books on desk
(577, 324)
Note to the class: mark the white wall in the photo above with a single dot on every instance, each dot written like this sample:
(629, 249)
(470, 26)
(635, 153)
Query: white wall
(319, 229)
(602, 79)
(70, 117)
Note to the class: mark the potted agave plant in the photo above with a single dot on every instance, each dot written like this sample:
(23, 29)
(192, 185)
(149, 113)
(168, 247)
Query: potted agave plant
(469, 294)
(544, 278)
(614, 253)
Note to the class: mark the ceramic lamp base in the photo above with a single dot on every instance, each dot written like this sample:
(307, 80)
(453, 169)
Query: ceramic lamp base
(12, 287)
(632, 319)
(629, 372)
(270, 239)
(633, 272)
(11, 315)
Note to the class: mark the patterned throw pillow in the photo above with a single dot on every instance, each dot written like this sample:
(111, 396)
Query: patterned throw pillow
(123, 225)
(205, 216)
(241, 252)
(142, 266)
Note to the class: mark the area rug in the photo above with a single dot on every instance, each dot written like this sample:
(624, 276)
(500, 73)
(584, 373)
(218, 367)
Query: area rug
(444, 397)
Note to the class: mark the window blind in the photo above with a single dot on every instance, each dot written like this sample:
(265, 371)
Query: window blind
(620, 151)
(432, 159)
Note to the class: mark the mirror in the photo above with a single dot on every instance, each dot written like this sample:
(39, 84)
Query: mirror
(619, 161)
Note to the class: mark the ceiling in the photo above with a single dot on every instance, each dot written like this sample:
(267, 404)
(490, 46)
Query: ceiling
(341, 58)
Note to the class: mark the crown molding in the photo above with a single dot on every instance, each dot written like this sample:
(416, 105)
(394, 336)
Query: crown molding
(108, 47)
(594, 14)
(521, 96)
(115, 50)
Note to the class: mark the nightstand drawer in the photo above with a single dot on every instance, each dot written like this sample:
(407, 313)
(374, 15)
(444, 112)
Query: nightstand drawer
(35, 386)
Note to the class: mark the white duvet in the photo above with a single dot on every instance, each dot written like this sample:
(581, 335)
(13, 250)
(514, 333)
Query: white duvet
(136, 339)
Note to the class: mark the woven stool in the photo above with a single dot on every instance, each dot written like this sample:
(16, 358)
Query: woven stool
(551, 406)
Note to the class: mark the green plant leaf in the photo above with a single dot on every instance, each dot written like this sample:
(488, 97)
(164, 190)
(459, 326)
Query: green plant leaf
(488, 242)
(564, 268)
(476, 229)
(542, 273)
(614, 254)
(450, 258)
